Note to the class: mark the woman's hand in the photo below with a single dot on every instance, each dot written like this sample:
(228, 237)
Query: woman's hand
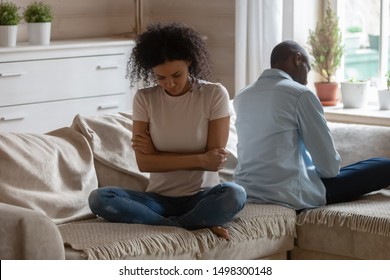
(215, 159)
(142, 142)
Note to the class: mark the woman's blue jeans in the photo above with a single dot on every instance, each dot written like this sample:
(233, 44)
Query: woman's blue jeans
(358, 179)
(209, 207)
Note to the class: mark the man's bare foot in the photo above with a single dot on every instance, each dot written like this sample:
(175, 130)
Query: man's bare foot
(220, 232)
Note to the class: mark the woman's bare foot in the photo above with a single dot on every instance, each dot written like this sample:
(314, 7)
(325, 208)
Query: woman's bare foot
(220, 232)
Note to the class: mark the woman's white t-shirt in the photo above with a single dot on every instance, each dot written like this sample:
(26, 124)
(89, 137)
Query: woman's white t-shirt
(179, 124)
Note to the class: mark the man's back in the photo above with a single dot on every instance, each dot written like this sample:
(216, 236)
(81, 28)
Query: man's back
(274, 165)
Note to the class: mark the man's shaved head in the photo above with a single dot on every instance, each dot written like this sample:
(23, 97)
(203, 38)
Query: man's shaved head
(291, 58)
(283, 50)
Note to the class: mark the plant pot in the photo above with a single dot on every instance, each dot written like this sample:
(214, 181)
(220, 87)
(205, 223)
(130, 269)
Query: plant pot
(39, 33)
(8, 35)
(354, 94)
(374, 41)
(352, 41)
(327, 93)
(384, 99)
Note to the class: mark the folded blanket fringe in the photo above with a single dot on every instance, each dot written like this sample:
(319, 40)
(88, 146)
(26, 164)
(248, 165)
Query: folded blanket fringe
(356, 222)
(241, 230)
(262, 227)
(172, 243)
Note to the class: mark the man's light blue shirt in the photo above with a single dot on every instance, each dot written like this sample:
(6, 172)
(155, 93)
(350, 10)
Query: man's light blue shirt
(284, 144)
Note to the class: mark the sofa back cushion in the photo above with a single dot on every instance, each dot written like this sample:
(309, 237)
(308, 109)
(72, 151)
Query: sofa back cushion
(109, 136)
(51, 173)
(357, 142)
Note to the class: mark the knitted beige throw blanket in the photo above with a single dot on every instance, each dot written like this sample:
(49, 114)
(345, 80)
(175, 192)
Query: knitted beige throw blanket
(370, 213)
(99, 239)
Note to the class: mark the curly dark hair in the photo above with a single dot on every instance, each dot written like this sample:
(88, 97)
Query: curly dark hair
(161, 43)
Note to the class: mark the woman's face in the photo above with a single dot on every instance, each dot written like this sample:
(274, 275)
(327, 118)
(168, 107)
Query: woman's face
(173, 76)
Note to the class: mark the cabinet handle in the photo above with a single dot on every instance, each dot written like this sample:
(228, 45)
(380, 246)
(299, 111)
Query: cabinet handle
(14, 117)
(108, 106)
(12, 74)
(107, 66)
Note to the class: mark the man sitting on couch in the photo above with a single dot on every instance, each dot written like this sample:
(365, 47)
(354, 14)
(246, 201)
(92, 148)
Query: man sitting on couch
(286, 153)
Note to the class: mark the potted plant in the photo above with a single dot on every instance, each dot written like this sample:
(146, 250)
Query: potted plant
(38, 16)
(326, 49)
(9, 20)
(354, 93)
(384, 95)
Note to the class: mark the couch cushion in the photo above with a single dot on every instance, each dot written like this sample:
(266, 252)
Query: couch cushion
(52, 174)
(357, 142)
(26, 234)
(99, 239)
(109, 136)
(358, 229)
(257, 231)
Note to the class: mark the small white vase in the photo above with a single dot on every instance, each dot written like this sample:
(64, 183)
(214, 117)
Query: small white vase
(354, 94)
(8, 35)
(39, 33)
(384, 99)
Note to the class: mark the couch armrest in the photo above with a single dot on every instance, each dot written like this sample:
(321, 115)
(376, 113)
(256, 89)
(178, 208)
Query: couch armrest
(27, 234)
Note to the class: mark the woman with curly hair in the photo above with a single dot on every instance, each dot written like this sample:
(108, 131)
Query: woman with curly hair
(180, 131)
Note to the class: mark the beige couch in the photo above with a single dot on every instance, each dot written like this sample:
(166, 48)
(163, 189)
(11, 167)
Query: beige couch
(353, 230)
(45, 181)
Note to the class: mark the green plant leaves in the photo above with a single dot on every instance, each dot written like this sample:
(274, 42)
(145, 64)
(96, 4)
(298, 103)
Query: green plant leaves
(9, 13)
(326, 46)
(38, 12)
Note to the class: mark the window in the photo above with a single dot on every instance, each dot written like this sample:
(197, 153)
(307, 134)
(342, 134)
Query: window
(365, 28)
